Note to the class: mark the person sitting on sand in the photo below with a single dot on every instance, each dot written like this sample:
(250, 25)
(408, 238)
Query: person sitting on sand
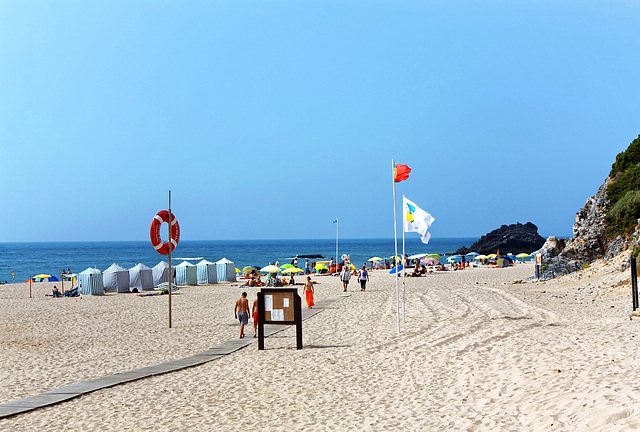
(55, 292)
(416, 270)
(291, 281)
(250, 283)
(259, 282)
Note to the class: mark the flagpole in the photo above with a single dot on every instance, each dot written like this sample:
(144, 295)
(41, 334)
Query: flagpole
(404, 270)
(395, 236)
(337, 223)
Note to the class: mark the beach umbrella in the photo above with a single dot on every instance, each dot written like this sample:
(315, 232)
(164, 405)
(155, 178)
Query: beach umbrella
(396, 269)
(375, 259)
(290, 270)
(472, 254)
(492, 256)
(322, 262)
(270, 269)
(430, 261)
(321, 267)
(42, 276)
(417, 256)
(481, 257)
(238, 270)
(286, 266)
(523, 255)
(434, 255)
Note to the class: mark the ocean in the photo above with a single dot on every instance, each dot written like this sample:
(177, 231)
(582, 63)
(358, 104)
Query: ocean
(27, 259)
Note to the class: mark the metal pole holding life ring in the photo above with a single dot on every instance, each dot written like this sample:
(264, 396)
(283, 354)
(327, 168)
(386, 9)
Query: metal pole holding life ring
(167, 247)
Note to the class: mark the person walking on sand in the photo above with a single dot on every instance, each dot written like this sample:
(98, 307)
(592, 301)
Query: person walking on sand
(241, 312)
(344, 276)
(254, 313)
(308, 292)
(363, 277)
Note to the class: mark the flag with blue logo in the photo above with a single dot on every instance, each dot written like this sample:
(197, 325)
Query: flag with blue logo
(416, 220)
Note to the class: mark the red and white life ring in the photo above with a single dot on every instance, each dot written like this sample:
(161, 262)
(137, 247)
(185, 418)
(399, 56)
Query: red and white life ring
(156, 241)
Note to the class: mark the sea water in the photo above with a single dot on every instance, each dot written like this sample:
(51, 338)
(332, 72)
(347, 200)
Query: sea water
(27, 259)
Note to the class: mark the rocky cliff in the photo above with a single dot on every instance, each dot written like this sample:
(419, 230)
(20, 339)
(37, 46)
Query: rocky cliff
(589, 241)
(515, 238)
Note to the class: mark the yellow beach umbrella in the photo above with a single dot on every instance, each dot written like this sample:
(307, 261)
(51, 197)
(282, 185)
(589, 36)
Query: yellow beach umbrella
(375, 259)
(290, 270)
(492, 256)
(42, 276)
(270, 269)
(523, 255)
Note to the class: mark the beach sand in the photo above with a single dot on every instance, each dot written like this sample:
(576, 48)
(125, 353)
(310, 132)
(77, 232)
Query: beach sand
(477, 352)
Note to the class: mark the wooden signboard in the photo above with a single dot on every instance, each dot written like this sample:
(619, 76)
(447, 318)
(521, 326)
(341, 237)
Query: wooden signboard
(279, 306)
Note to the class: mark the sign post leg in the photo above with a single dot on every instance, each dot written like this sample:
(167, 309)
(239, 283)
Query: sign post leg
(298, 318)
(260, 321)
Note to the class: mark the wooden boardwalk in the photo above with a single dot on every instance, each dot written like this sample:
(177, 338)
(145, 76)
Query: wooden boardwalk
(72, 391)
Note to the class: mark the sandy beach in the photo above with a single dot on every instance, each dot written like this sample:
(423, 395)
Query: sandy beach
(481, 349)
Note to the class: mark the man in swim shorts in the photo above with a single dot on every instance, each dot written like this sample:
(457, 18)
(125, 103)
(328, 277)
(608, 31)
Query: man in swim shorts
(241, 312)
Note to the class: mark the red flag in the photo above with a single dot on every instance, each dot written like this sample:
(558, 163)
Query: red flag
(401, 172)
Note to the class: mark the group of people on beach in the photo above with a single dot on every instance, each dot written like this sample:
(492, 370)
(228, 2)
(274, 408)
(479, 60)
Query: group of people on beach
(241, 309)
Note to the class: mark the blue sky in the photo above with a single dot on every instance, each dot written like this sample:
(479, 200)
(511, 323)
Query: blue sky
(270, 119)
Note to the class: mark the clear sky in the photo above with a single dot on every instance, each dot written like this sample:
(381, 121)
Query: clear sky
(269, 119)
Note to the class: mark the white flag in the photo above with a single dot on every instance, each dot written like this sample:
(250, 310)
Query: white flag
(416, 220)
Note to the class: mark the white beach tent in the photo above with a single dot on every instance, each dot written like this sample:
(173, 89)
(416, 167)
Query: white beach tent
(186, 274)
(91, 282)
(226, 270)
(207, 272)
(141, 277)
(161, 273)
(116, 278)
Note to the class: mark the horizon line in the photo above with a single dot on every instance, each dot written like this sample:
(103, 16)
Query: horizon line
(249, 240)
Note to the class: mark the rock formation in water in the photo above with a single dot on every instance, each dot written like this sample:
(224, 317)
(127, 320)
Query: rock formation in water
(515, 238)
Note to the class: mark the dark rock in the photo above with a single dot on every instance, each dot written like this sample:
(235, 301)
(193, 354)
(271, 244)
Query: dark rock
(515, 238)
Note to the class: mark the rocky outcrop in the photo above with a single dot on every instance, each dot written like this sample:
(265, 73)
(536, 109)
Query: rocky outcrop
(515, 238)
(589, 241)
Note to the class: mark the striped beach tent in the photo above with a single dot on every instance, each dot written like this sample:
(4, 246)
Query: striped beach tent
(226, 270)
(141, 277)
(91, 282)
(116, 279)
(186, 274)
(207, 272)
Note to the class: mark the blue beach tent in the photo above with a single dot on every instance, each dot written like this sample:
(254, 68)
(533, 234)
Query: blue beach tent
(207, 272)
(226, 270)
(186, 274)
(141, 277)
(116, 279)
(91, 282)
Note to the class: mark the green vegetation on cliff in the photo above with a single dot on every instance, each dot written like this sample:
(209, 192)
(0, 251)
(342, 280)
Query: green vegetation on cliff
(624, 192)
(626, 159)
